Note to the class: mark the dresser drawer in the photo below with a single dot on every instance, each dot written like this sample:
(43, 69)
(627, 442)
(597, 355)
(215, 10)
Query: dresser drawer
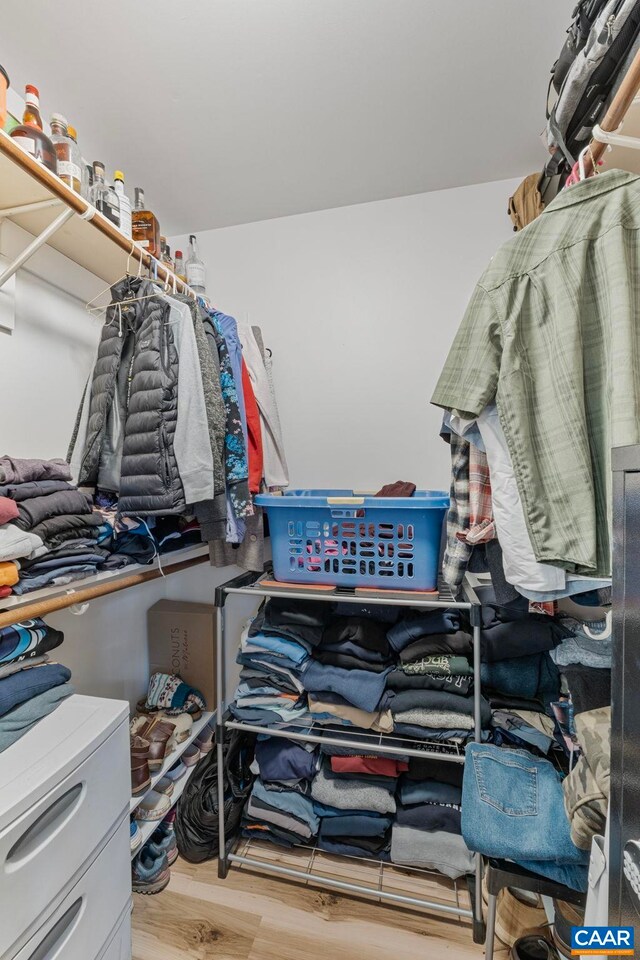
(119, 945)
(83, 923)
(43, 850)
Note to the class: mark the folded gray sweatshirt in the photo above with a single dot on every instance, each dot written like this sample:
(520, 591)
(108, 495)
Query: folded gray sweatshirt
(431, 850)
(345, 794)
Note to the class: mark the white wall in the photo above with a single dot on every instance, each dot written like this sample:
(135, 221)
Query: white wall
(359, 305)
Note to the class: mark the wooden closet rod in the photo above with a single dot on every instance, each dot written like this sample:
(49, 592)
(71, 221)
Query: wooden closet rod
(616, 113)
(40, 608)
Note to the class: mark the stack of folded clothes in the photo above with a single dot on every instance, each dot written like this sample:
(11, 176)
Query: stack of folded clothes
(519, 677)
(426, 831)
(274, 654)
(140, 539)
(31, 686)
(431, 688)
(280, 807)
(346, 677)
(50, 533)
(354, 796)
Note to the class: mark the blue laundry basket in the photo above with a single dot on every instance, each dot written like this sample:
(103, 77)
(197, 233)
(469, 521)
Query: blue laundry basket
(353, 540)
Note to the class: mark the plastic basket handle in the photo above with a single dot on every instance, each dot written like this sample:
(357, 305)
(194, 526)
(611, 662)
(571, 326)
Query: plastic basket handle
(345, 501)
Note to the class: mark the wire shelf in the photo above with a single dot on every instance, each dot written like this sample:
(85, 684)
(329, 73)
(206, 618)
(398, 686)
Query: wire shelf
(265, 586)
(411, 886)
(374, 742)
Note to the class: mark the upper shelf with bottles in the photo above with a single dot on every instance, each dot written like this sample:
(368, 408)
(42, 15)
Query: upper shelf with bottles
(32, 195)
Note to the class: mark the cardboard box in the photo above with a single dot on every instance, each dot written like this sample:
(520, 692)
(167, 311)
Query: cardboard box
(182, 640)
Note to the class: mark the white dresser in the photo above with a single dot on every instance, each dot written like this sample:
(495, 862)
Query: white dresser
(65, 863)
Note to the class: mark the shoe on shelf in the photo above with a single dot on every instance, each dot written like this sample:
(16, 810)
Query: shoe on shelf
(182, 728)
(565, 916)
(163, 840)
(170, 850)
(155, 806)
(140, 770)
(205, 740)
(135, 836)
(517, 911)
(136, 724)
(181, 724)
(176, 772)
(533, 948)
(165, 786)
(170, 819)
(191, 755)
(158, 731)
(149, 871)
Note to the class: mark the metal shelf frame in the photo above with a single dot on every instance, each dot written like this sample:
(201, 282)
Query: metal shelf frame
(260, 586)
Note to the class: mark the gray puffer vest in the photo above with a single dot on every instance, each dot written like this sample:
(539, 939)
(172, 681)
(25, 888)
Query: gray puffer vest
(134, 404)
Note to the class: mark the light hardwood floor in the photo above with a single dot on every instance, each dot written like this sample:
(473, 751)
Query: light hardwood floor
(252, 916)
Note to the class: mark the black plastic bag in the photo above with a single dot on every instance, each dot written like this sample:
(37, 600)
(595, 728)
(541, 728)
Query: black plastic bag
(197, 818)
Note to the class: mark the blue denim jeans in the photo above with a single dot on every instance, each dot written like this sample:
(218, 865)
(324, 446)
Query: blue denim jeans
(513, 808)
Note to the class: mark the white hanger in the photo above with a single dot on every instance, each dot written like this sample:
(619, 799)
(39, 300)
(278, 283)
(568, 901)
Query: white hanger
(98, 310)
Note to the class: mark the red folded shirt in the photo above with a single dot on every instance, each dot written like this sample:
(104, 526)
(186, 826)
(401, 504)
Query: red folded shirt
(8, 510)
(378, 766)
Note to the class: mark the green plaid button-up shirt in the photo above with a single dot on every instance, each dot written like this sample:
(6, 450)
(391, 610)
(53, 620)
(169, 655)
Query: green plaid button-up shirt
(552, 333)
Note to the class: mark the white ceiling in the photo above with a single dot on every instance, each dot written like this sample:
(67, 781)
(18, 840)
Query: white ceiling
(229, 111)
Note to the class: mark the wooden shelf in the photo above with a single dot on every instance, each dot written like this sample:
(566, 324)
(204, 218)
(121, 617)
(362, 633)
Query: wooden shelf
(172, 759)
(49, 599)
(96, 244)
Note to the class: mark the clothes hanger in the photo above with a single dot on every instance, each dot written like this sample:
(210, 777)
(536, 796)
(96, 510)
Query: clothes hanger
(88, 305)
(578, 172)
(153, 265)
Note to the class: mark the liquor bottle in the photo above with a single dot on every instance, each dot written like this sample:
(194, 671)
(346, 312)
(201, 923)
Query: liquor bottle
(67, 153)
(30, 135)
(125, 203)
(196, 275)
(84, 176)
(104, 197)
(146, 229)
(179, 266)
(89, 196)
(165, 253)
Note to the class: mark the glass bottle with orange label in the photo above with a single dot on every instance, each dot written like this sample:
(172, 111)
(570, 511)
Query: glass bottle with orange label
(30, 135)
(146, 229)
(67, 153)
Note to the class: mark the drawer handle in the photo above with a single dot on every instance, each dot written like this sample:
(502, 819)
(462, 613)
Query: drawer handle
(58, 936)
(45, 827)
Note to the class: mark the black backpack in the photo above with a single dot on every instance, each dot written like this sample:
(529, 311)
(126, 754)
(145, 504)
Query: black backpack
(584, 17)
(596, 97)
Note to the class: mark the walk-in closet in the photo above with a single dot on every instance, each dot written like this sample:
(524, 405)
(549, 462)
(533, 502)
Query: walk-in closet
(319, 457)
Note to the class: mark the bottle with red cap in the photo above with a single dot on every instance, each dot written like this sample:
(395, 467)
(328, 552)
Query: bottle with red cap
(30, 135)
(180, 269)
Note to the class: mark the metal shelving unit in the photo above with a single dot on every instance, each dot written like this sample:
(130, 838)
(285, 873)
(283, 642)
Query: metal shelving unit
(260, 586)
